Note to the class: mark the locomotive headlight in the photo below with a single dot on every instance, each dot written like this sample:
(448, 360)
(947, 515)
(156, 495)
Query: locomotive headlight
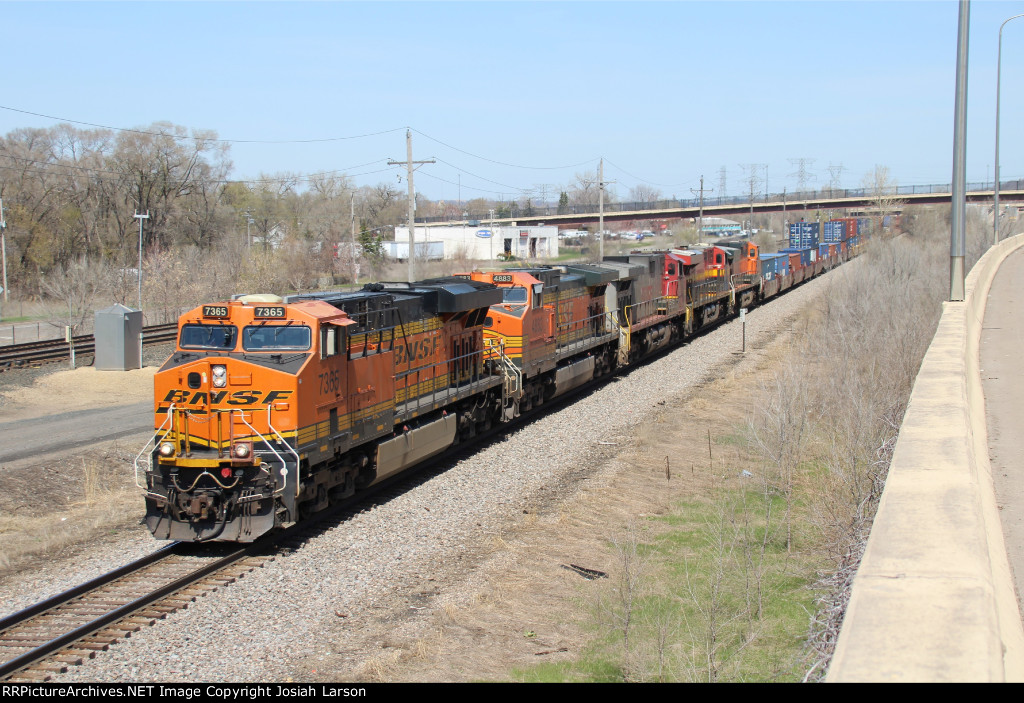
(166, 449)
(241, 450)
(220, 376)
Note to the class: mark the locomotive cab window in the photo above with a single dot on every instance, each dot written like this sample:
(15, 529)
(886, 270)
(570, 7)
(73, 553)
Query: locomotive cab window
(276, 338)
(332, 341)
(208, 337)
(516, 294)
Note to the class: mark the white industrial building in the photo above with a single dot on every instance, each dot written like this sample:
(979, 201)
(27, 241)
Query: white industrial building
(483, 243)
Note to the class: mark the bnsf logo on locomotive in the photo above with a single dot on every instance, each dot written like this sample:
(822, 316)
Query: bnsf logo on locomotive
(184, 397)
(416, 350)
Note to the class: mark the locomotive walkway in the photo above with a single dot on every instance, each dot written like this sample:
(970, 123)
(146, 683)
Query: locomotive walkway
(935, 598)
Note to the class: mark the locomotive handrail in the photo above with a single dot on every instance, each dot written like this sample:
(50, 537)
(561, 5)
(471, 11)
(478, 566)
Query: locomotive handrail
(512, 385)
(284, 464)
(153, 440)
(298, 461)
(435, 390)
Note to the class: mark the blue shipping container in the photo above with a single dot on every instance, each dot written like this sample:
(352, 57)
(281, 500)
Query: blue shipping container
(834, 231)
(774, 265)
(806, 254)
(804, 234)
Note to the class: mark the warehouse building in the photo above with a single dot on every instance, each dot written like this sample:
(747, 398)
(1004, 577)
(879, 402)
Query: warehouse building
(483, 243)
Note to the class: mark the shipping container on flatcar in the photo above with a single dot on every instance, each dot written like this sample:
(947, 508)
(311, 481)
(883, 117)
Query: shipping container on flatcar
(803, 235)
(833, 231)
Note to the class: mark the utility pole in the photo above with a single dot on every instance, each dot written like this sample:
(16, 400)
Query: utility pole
(700, 217)
(412, 200)
(785, 229)
(3, 244)
(750, 224)
(600, 208)
(352, 213)
(140, 218)
(753, 180)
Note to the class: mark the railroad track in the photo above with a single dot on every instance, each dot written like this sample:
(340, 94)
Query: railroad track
(35, 353)
(63, 631)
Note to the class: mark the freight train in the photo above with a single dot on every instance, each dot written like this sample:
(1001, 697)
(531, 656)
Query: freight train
(270, 408)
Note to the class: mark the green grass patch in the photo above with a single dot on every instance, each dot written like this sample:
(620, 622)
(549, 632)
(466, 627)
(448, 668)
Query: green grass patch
(707, 592)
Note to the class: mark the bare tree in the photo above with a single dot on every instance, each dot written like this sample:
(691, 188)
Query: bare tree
(77, 286)
(882, 189)
(584, 189)
(642, 193)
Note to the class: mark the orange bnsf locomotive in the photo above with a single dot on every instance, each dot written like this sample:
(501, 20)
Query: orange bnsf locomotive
(271, 408)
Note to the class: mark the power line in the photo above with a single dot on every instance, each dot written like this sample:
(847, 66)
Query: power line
(653, 183)
(501, 163)
(202, 139)
(470, 173)
(463, 185)
(48, 168)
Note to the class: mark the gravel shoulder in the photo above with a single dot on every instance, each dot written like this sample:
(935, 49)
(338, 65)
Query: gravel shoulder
(441, 583)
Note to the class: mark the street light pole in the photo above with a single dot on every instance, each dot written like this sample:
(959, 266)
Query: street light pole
(140, 218)
(999, 68)
(959, 204)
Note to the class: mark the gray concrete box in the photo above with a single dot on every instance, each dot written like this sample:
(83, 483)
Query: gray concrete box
(118, 339)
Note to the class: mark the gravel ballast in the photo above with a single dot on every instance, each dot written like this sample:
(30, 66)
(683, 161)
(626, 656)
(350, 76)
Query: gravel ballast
(311, 601)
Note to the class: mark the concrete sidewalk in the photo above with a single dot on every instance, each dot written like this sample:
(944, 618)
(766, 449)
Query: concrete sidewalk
(1002, 379)
(935, 598)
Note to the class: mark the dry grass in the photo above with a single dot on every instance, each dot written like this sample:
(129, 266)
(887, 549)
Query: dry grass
(84, 497)
(518, 607)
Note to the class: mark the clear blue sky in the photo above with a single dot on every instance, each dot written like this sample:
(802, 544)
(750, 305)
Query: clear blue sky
(664, 91)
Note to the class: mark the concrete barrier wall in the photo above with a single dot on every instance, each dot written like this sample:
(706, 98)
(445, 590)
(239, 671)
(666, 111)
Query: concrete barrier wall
(934, 598)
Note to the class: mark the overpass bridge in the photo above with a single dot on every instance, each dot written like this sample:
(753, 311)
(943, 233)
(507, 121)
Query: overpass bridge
(676, 209)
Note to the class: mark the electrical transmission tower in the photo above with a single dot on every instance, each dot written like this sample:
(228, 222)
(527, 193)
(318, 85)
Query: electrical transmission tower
(835, 176)
(802, 174)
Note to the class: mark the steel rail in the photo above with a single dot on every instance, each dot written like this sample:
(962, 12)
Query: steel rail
(28, 658)
(16, 355)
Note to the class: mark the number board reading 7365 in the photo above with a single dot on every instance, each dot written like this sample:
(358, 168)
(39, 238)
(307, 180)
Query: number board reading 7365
(268, 311)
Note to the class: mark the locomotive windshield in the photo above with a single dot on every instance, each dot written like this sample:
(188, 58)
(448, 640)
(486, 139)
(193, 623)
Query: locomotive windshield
(276, 337)
(516, 294)
(208, 336)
